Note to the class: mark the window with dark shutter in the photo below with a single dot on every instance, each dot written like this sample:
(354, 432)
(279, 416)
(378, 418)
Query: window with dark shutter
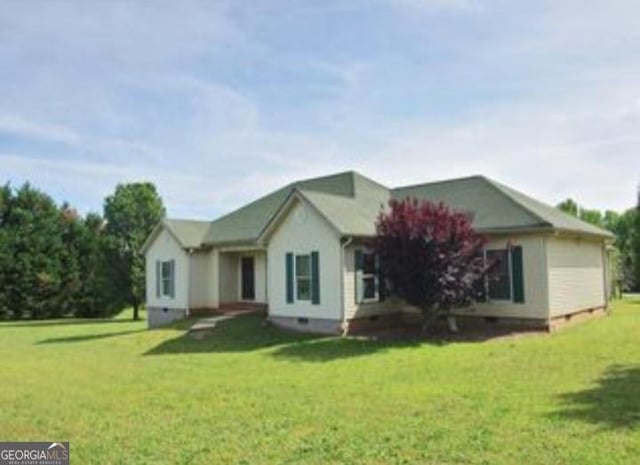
(289, 277)
(367, 277)
(500, 275)
(518, 274)
(167, 278)
(158, 278)
(315, 278)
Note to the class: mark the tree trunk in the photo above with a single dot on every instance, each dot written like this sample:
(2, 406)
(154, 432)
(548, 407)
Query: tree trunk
(453, 325)
(136, 305)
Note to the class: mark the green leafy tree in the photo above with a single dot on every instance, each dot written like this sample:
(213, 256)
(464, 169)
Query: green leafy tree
(94, 297)
(591, 216)
(32, 240)
(622, 225)
(131, 213)
(6, 196)
(611, 220)
(569, 206)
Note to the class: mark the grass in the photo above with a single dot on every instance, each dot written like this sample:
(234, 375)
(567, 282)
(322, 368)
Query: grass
(254, 395)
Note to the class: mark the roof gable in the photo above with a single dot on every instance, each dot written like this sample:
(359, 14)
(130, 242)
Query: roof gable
(188, 233)
(246, 223)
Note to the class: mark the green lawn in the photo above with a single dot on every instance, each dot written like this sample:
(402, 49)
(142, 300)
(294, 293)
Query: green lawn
(247, 394)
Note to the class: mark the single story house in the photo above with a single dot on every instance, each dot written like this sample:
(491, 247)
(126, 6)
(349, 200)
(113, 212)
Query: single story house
(301, 253)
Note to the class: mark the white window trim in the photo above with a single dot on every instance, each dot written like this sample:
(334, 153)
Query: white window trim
(295, 277)
(509, 270)
(164, 289)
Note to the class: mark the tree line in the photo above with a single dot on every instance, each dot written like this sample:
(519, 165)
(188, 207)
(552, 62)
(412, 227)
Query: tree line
(626, 228)
(55, 262)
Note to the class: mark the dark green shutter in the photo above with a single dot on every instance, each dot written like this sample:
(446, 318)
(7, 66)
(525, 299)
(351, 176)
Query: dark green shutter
(172, 267)
(158, 277)
(518, 274)
(358, 276)
(289, 277)
(315, 278)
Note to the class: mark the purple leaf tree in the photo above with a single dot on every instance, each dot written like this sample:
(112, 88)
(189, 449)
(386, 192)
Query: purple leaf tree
(430, 257)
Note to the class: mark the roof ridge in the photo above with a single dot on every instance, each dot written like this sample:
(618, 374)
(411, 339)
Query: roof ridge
(442, 181)
(242, 207)
(324, 176)
(321, 193)
(370, 180)
(287, 187)
(501, 189)
(186, 219)
(506, 190)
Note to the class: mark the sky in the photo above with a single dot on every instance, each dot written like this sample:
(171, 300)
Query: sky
(220, 102)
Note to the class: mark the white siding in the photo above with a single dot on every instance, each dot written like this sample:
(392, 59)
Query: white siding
(576, 274)
(536, 303)
(261, 277)
(164, 248)
(302, 233)
(228, 278)
(200, 281)
(212, 275)
(353, 309)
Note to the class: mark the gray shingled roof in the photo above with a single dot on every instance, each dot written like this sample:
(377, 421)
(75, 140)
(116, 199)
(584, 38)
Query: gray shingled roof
(352, 202)
(190, 233)
(496, 207)
(246, 223)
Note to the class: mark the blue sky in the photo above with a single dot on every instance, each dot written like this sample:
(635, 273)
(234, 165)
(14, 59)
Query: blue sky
(220, 102)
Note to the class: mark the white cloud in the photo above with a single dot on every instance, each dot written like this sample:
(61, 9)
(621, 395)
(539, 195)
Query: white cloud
(52, 132)
(220, 103)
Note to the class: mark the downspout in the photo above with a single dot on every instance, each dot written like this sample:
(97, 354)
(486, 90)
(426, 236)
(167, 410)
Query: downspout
(605, 275)
(189, 255)
(546, 279)
(343, 270)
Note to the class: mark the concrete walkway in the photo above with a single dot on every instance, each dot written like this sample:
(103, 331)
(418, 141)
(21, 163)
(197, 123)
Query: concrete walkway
(204, 326)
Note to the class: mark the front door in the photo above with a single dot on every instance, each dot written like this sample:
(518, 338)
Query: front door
(247, 278)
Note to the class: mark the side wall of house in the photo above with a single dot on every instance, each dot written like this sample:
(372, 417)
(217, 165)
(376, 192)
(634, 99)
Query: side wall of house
(203, 276)
(228, 281)
(576, 274)
(261, 277)
(303, 231)
(536, 300)
(213, 279)
(164, 309)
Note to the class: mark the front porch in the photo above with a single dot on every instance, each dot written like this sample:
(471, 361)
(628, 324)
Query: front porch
(242, 277)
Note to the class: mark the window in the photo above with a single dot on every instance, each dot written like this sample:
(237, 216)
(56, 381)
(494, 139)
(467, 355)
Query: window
(500, 278)
(167, 278)
(303, 277)
(369, 277)
(367, 283)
